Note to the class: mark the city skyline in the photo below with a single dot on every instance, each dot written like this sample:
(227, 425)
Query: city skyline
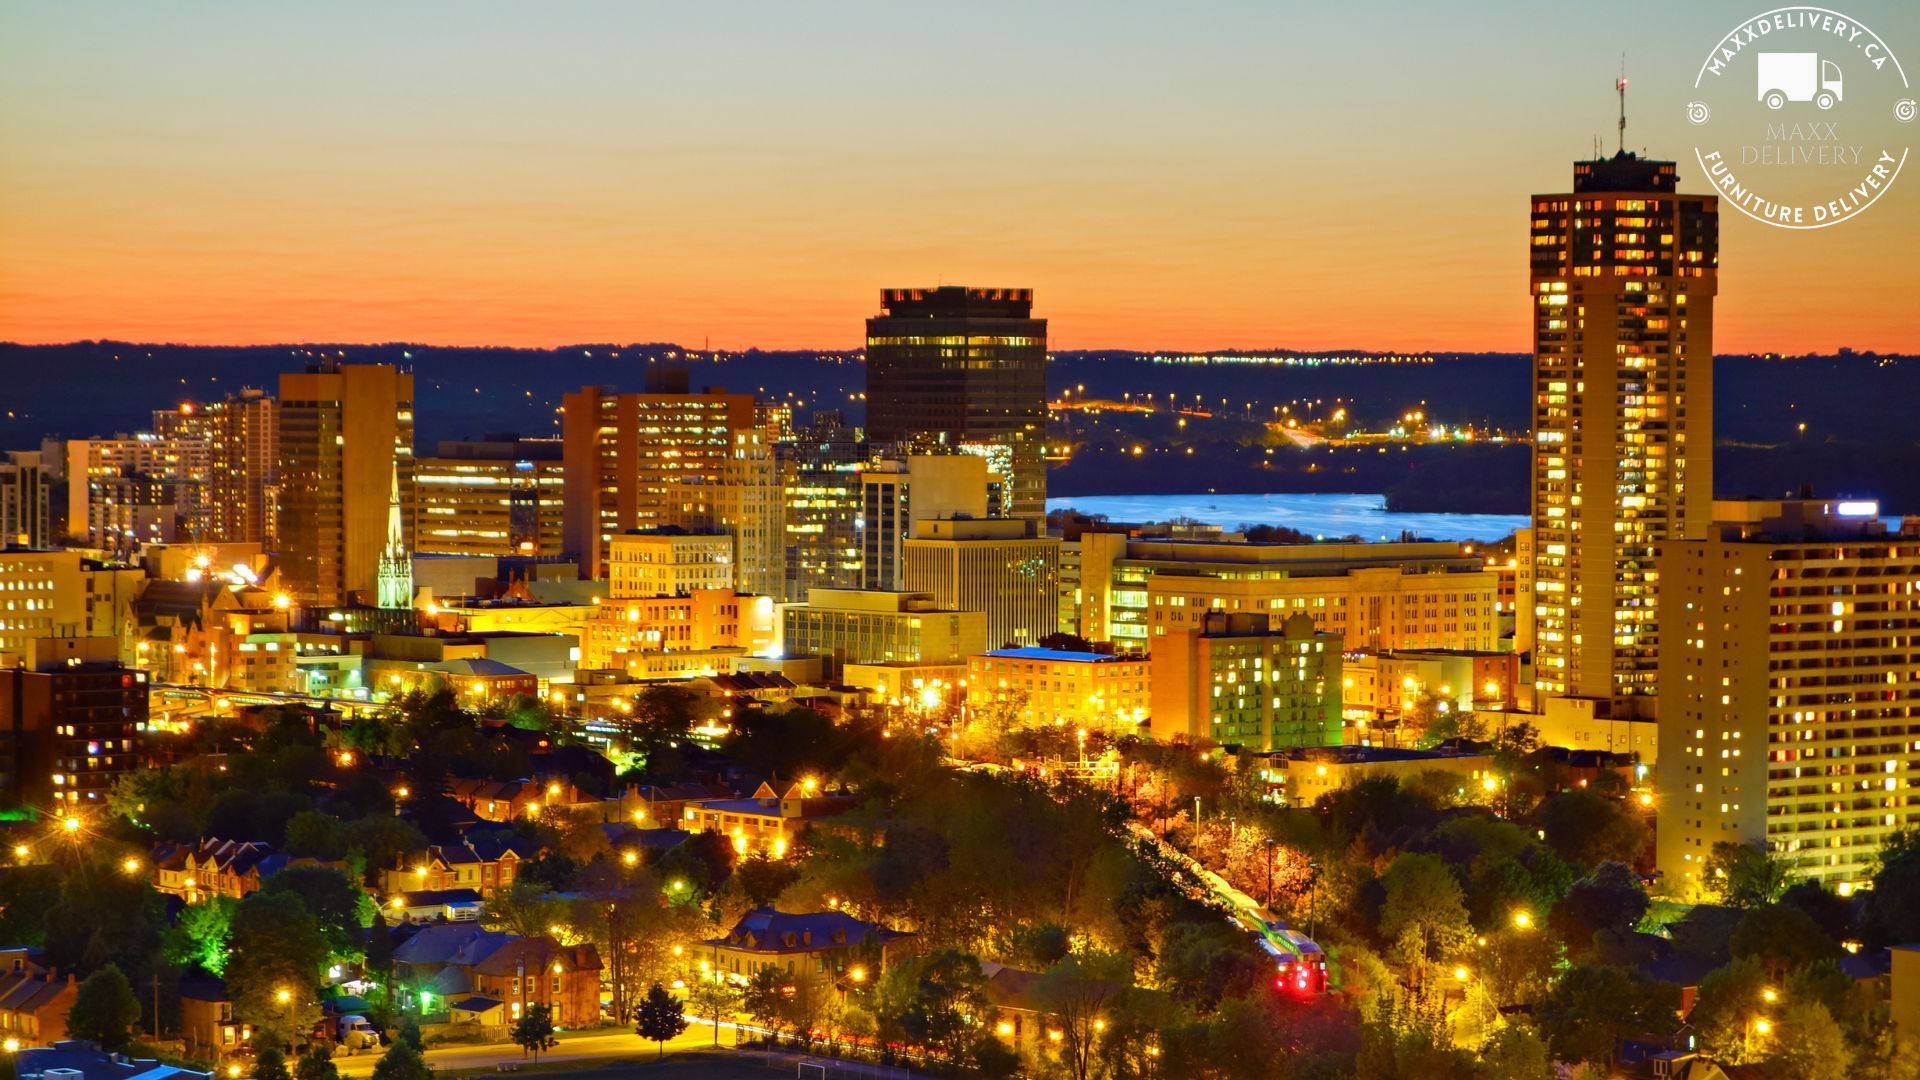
(499, 179)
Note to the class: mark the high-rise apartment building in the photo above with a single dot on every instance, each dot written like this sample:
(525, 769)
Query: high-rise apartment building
(749, 506)
(896, 493)
(1624, 271)
(820, 470)
(69, 722)
(964, 368)
(638, 461)
(243, 485)
(495, 496)
(346, 439)
(26, 500)
(1005, 567)
(137, 489)
(1789, 689)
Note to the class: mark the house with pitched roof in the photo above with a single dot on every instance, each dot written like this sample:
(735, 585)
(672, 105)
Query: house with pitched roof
(34, 999)
(770, 821)
(483, 865)
(216, 867)
(823, 942)
(489, 977)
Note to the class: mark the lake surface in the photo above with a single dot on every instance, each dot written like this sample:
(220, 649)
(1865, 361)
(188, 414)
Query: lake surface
(1315, 514)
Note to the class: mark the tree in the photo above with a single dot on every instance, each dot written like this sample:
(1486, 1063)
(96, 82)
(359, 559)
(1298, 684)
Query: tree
(763, 998)
(534, 1030)
(105, 1010)
(1746, 875)
(339, 909)
(1605, 904)
(762, 879)
(316, 1064)
(1591, 1008)
(934, 1000)
(661, 1017)
(715, 998)
(1077, 993)
(525, 908)
(1588, 829)
(270, 1064)
(1514, 1053)
(278, 956)
(1425, 914)
(1726, 1009)
(1808, 1045)
(402, 1061)
(1892, 912)
(199, 936)
(1784, 939)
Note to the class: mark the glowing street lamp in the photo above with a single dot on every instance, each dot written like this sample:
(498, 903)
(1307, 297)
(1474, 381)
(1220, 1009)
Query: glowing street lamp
(1522, 920)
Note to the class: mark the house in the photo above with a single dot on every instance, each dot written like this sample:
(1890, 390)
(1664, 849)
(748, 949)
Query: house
(207, 1024)
(215, 867)
(488, 977)
(770, 821)
(504, 800)
(432, 906)
(817, 943)
(484, 866)
(83, 1061)
(34, 999)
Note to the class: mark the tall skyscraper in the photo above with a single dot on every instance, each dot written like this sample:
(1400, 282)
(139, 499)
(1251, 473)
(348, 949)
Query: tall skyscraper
(1624, 272)
(243, 475)
(26, 508)
(820, 488)
(346, 441)
(960, 367)
(502, 495)
(639, 461)
(1789, 703)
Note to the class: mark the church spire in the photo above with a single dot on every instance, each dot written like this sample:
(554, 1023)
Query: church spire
(395, 582)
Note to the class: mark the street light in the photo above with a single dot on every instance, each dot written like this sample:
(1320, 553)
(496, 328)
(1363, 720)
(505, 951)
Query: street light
(1522, 920)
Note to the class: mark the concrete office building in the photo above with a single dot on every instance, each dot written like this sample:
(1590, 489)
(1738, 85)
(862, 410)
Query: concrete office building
(860, 626)
(1789, 689)
(1375, 596)
(1004, 567)
(668, 562)
(640, 461)
(496, 496)
(896, 493)
(1241, 679)
(346, 435)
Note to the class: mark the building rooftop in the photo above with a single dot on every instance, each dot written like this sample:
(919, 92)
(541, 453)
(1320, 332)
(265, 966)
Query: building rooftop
(1069, 656)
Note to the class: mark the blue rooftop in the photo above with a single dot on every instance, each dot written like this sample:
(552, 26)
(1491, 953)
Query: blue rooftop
(1034, 652)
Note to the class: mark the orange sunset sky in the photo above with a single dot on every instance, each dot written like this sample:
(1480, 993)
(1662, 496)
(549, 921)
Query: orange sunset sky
(1164, 176)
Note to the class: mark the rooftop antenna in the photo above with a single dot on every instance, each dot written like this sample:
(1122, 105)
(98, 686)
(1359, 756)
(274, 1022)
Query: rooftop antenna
(1621, 88)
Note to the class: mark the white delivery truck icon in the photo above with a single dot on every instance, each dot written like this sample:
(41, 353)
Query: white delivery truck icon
(1798, 76)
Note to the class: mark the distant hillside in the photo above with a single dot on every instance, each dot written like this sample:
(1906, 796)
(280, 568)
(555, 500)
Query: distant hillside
(1859, 435)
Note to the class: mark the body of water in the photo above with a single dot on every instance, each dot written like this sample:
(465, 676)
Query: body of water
(1365, 516)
